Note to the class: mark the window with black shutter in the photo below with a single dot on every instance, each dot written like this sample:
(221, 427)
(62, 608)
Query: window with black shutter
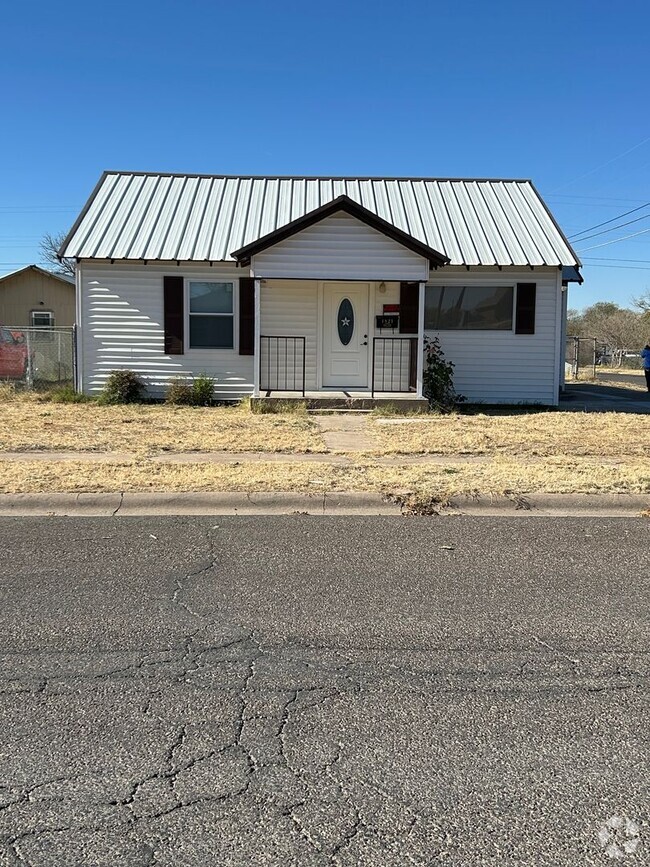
(525, 309)
(174, 315)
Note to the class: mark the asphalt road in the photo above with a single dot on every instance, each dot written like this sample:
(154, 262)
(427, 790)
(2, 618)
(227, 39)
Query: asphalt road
(321, 691)
(621, 379)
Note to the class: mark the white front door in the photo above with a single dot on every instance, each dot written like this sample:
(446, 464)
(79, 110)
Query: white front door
(345, 335)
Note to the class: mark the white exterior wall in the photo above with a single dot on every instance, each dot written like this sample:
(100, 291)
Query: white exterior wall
(391, 358)
(121, 315)
(289, 308)
(340, 247)
(293, 308)
(120, 311)
(501, 366)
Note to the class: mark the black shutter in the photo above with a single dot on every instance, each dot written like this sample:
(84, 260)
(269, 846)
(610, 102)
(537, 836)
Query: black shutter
(246, 316)
(409, 308)
(174, 316)
(525, 311)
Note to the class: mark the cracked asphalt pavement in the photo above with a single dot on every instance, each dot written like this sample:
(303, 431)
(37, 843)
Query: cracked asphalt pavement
(324, 691)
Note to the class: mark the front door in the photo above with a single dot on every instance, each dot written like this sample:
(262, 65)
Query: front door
(345, 335)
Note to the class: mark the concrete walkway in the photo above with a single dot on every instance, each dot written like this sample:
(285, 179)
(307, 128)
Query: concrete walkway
(345, 432)
(354, 456)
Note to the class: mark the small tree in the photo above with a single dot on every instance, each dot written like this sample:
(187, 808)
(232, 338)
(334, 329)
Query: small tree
(438, 377)
(49, 247)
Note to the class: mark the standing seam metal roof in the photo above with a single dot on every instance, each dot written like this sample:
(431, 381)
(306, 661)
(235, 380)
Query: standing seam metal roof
(138, 216)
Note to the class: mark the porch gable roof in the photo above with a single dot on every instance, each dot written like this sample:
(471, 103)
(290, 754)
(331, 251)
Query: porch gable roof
(354, 209)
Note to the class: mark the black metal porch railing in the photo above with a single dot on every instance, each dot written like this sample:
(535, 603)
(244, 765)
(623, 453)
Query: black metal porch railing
(282, 363)
(394, 364)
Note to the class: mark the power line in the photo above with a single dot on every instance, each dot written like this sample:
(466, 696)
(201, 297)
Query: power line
(603, 165)
(611, 259)
(614, 241)
(592, 198)
(613, 220)
(621, 267)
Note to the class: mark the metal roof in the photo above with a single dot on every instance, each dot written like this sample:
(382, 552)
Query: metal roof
(62, 277)
(169, 217)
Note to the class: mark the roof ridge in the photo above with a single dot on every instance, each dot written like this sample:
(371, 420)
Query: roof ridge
(318, 177)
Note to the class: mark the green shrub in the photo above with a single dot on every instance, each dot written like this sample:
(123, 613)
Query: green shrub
(198, 392)
(179, 392)
(202, 390)
(122, 386)
(65, 394)
(438, 377)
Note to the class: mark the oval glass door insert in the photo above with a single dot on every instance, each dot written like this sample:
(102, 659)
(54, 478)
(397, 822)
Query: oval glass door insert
(345, 321)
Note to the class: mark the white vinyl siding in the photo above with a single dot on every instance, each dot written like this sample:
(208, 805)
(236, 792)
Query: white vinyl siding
(391, 357)
(340, 247)
(289, 308)
(501, 366)
(122, 327)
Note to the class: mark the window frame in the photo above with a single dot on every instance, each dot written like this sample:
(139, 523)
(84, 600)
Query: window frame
(234, 281)
(41, 312)
(500, 285)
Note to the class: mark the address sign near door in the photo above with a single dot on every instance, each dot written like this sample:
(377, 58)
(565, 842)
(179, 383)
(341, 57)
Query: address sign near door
(345, 321)
(385, 322)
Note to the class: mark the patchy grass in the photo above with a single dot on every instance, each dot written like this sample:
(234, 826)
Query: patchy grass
(519, 451)
(503, 475)
(545, 434)
(31, 422)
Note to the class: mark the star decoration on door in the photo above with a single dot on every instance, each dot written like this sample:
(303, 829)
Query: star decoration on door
(345, 322)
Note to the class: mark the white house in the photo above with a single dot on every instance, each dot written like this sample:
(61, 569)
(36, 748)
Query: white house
(322, 286)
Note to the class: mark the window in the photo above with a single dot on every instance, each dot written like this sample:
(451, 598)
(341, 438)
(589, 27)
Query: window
(211, 314)
(471, 308)
(42, 318)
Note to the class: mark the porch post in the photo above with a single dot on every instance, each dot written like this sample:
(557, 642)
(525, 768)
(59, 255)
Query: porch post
(257, 356)
(420, 369)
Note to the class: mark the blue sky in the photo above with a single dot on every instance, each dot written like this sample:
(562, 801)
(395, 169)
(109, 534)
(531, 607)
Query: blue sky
(554, 91)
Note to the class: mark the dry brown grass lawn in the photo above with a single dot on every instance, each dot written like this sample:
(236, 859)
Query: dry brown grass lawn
(28, 422)
(503, 475)
(546, 434)
(534, 452)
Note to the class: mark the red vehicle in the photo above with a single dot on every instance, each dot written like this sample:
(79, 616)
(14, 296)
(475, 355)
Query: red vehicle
(13, 354)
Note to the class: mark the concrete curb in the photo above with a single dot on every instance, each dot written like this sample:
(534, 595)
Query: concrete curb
(552, 505)
(226, 503)
(326, 503)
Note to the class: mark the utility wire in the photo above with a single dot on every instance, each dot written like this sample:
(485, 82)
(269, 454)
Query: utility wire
(611, 229)
(614, 241)
(611, 259)
(602, 165)
(613, 220)
(621, 267)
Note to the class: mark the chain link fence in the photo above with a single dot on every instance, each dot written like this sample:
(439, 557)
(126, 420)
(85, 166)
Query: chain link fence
(582, 356)
(37, 357)
(586, 355)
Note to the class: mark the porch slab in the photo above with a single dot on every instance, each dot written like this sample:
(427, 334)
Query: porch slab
(342, 400)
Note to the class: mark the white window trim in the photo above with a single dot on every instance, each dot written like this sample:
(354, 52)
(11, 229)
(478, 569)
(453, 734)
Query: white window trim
(510, 330)
(40, 311)
(200, 278)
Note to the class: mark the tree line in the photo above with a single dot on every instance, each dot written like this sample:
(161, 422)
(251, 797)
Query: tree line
(619, 330)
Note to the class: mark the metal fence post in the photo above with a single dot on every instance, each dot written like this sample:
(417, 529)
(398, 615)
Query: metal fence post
(30, 367)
